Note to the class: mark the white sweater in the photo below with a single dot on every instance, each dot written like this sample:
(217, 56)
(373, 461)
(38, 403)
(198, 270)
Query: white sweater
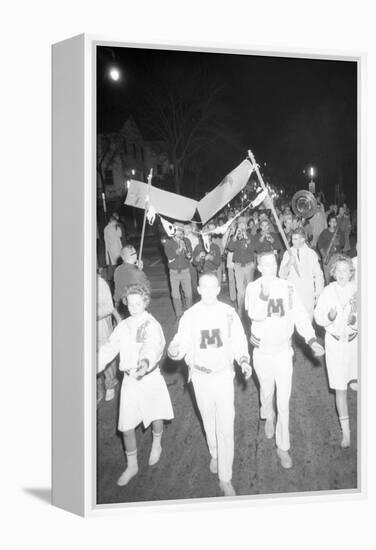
(211, 338)
(274, 317)
(344, 301)
(134, 339)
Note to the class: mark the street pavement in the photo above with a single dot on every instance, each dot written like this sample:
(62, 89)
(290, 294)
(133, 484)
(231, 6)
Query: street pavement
(320, 464)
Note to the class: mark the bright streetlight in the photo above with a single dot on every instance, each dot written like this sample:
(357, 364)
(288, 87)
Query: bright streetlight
(114, 74)
(311, 184)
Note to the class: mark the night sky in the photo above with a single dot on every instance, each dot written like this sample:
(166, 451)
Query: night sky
(293, 113)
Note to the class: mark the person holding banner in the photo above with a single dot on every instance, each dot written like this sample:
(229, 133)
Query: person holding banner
(178, 251)
(190, 233)
(310, 281)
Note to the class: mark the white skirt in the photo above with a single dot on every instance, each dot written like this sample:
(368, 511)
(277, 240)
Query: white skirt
(143, 401)
(341, 361)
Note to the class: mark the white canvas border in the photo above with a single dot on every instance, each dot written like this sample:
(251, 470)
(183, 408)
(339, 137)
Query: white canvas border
(91, 509)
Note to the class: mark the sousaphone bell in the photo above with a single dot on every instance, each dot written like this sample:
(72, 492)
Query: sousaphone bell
(304, 204)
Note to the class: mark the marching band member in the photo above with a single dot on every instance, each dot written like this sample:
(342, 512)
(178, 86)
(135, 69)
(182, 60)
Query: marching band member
(208, 260)
(178, 250)
(330, 242)
(242, 246)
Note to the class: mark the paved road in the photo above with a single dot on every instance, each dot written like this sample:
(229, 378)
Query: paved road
(183, 470)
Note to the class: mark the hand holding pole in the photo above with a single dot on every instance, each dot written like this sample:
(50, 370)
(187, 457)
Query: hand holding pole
(150, 176)
(280, 228)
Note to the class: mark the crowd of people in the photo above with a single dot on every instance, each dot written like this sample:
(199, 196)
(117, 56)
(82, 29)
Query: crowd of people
(274, 290)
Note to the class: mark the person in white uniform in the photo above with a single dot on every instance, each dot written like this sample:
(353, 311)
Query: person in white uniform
(144, 395)
(210, 337)
(275, 309)
(310, 281)
(336, 311)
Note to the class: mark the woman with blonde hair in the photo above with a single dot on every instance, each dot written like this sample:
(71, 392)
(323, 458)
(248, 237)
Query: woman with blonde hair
(336, 311)
(144, 396)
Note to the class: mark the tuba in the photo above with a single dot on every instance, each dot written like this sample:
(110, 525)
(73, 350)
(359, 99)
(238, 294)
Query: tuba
(304, 204)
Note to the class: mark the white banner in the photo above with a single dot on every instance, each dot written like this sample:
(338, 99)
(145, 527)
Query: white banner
(166, 203)
(229, 187)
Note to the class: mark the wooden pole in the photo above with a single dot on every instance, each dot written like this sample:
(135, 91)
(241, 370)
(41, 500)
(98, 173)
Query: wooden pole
(280, 228)
(150, 176)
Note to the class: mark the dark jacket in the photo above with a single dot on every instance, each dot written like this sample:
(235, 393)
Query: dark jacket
(178, 259)
(125, 275)
(205, 264)
(243, 249)
(272, 242)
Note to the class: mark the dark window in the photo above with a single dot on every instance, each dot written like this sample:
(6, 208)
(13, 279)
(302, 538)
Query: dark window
(108, 178)
(134, 151)
(142, 153)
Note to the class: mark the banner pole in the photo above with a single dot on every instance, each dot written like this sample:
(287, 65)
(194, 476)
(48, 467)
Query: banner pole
(280, 228)
(145, 212)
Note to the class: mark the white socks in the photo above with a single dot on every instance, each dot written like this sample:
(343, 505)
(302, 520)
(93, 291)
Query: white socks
(156, 448)
(131, 470)
(345, 426)
(132, 464)
(213, 466)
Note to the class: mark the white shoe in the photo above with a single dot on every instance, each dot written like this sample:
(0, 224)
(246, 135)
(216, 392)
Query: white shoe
(127, 475)
(110, 394)
(227, 488)
(285, 458)
(155, 455)
(213, 467)
(345, 427)
(132, 469)
(269, 428)
(156, 448)
(345, 441)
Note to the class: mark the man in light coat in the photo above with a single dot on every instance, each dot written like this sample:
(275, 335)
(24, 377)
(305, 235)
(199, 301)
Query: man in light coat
(309, 283)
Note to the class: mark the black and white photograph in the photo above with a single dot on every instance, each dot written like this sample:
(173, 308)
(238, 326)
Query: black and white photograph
(227, 293)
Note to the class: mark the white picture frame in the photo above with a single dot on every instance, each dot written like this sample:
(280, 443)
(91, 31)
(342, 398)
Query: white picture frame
(74, 278)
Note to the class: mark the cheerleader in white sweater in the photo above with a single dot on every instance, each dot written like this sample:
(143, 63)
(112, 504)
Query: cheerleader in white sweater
(209, 338)
(144, 395)
(275, 310)
(336, 310)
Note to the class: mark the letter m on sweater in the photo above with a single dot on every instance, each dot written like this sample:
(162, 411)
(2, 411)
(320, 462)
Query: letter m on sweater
(211, 339)
(275, 308)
